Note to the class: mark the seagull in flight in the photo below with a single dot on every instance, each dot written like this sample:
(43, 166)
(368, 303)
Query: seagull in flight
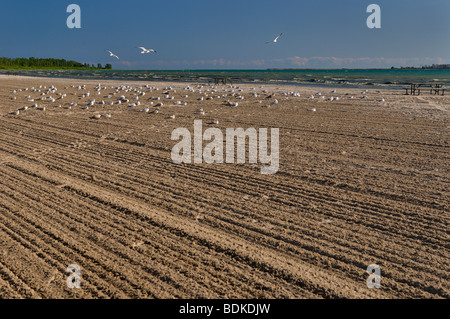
(112, 54)
(144, 50)
(276, 39)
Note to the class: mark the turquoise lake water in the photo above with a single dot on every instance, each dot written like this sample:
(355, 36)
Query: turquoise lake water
(349, 78)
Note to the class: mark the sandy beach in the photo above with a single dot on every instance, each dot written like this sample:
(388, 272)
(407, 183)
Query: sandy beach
(363, 179)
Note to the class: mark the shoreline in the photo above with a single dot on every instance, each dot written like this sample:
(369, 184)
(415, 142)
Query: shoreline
(395, 98)
(318, 79)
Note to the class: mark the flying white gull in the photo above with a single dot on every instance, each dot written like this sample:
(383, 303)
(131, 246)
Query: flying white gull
(112, 54)
(275, 40)
(144, 50)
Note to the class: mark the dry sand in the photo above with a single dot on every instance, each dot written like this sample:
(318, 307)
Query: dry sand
(360, 182)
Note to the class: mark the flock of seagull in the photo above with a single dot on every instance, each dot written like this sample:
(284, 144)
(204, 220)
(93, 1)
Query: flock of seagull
(136, 95)
(152, 99)
(145, 51)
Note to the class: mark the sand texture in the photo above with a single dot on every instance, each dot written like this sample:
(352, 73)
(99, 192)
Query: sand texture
(361, 181)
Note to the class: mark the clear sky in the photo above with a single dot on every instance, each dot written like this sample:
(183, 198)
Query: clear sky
(230, 34)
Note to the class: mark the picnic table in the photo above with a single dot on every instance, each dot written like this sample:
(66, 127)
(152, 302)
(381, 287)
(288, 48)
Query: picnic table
(435, 88)
(222, 79)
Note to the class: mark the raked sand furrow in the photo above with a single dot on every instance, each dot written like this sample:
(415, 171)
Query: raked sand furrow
(322, 242)
(249, 227)
(233, 247)
(111, 233)
(86, 250)
(359, 182)
(90, 146)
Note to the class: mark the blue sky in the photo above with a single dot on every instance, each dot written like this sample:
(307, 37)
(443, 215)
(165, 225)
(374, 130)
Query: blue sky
(231, 34)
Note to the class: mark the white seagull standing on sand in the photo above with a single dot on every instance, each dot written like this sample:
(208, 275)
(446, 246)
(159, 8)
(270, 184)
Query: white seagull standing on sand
(275, 40)
(112, 54)
(144, 50)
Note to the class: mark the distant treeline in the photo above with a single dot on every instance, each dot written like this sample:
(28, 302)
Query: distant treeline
(427, 67)
(34, 63)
